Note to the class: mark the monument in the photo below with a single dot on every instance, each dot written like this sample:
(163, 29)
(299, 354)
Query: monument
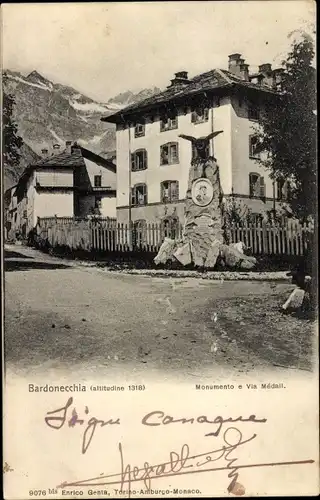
(202, 241)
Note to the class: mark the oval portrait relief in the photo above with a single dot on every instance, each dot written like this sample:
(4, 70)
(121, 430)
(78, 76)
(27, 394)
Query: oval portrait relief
(202, 192)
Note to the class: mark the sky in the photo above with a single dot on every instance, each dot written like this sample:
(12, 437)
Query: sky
(102, 49)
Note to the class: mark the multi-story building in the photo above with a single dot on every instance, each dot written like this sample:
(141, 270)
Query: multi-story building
(153, 161)
(73, 183)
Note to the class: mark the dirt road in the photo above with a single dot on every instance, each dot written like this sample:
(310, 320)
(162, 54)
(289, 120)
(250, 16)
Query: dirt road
(59, 315)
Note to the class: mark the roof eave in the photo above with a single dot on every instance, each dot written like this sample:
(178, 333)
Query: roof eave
(120, 115)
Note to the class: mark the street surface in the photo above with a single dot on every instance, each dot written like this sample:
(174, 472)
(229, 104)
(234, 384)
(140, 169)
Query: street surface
(60, 315)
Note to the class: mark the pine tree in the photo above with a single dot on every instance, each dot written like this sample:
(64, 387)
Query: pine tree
(288, 129)
(11, 141)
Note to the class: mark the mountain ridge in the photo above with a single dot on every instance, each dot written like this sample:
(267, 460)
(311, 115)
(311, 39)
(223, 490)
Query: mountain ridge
(47, 112)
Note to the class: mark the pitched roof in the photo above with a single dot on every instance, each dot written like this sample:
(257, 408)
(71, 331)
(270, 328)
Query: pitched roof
(100, 160)
(65, 159)
(75, 159)
(211, 80)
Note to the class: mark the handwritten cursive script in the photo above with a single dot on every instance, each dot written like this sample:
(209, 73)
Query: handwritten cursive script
(156, 418)
(179, 463)
(58, 418)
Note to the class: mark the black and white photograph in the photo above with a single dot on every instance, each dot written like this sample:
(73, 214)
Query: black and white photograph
(159, 204)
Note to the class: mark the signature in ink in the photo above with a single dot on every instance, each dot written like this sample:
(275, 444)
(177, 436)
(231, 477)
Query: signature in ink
(178, 464)
(182, 463)
(56, 419)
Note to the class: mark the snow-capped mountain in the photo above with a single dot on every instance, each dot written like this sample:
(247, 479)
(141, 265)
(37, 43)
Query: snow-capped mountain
(48, 112)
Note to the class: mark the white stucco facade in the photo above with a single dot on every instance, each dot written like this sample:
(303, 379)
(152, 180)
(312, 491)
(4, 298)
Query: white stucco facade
(71, 188)
(230, 148)
(127, 143)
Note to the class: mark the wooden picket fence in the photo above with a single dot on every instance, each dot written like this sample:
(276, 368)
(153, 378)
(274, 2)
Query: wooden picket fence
(271, 239)
(106, 235)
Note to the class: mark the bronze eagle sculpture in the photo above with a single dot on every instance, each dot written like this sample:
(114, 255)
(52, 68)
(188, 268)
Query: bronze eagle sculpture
(201, 143)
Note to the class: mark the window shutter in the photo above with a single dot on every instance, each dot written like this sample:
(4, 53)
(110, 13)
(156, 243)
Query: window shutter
(279, 193)
(250, 145)
(164, 154)
(145, 159)
(250, 185)
(145, 197)
(133, 196)
(262, 188)
(174, 152)
(285, 190)
(132, 161)
(174, 195)
(193, 117)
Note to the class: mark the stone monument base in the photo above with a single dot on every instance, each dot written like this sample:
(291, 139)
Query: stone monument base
(186, 252)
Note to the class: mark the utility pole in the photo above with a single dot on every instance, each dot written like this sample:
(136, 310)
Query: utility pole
(274, 197)
(129, 189)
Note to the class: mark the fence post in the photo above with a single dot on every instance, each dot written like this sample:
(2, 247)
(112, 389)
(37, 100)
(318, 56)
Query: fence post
(264, 237)
(130, 239)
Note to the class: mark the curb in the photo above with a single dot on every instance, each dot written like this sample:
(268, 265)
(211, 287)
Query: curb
(213, 275)
(278, 276)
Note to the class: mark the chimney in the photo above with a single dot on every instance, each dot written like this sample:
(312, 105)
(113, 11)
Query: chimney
(68, 146)
(234, 63)
(266, 71)
(56, 149)
(44, 152)
(265, 68)
(180, 78)
(277, 78)
(75, 148)
(244, 71)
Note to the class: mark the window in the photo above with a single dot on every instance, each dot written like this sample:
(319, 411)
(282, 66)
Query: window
(257, 187)
(139, 195)
(98, 202)
(282, 189)
(169, 191)
(194, 151)
(169, 122)
(254, 147)
(253, 111)
(25, 216)
(169, 153)
(200, 115)
(97, 180)
(139, 160)
(170, 227)
(139, 130)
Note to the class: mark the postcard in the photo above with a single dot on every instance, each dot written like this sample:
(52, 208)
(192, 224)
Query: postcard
(159, 200)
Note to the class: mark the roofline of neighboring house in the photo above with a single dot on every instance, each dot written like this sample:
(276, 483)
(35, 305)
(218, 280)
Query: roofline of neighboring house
(86, 153)
(119, 116)
(104, 162)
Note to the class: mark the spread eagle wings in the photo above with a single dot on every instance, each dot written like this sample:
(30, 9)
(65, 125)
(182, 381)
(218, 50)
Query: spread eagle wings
(188, 137)
(207, 138)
